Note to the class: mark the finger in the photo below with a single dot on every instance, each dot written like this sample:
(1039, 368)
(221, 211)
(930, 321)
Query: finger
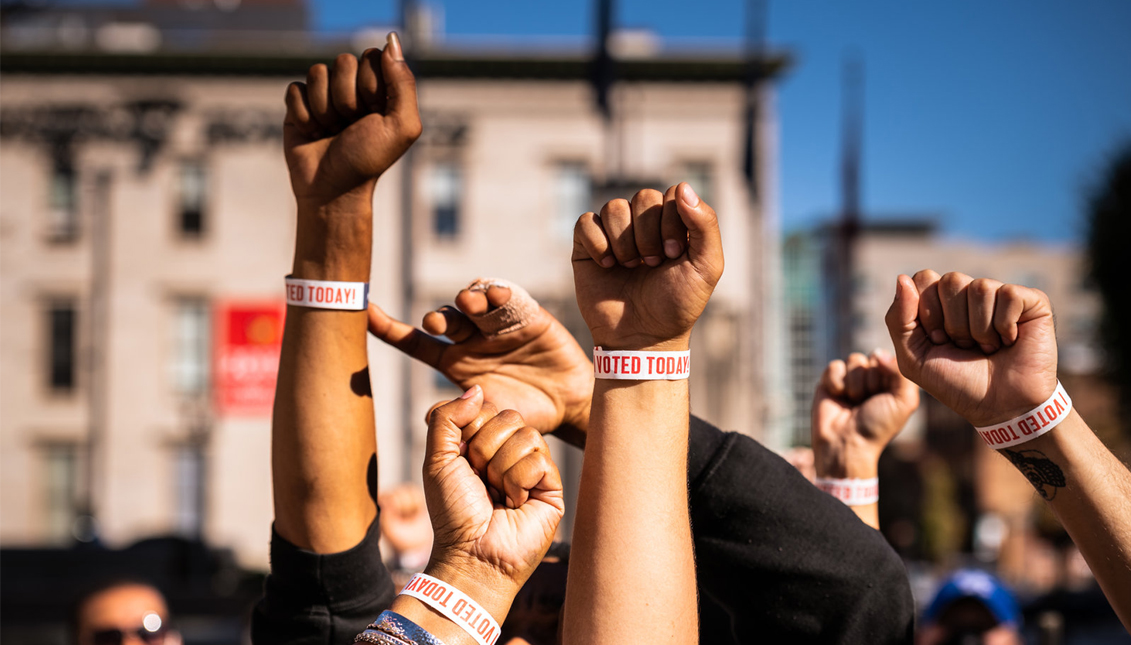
(704, 241)
(524, 441)
(472, 302)
(482, 447)
(486, 413)
(617, 219)
(445, 427)
(832, 380)
(981, 297)
(370, 84)
(672, 228)
(343, 87)
(450, 323)
(497, 295)
(298, 112)
(406, 338)
(930, 307)
(855, 382)
(874, 380)
(590, 241)
(400, 87)
(318, 93)
(1015, 306)
(533, 473)
(647, 212)
(902, 320)
(956, 316)
(896, 382)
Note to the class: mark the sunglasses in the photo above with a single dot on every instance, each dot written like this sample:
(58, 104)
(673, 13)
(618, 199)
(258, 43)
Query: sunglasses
(118, 636)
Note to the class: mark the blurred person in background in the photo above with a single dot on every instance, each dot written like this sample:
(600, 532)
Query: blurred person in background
(123, 612)
(406, 530)
(971, 607)
(988, 351)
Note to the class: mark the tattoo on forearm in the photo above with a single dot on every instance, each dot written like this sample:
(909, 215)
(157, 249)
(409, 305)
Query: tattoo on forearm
(1041, 472)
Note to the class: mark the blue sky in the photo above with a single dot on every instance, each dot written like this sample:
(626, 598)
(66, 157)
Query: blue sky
(995, 116)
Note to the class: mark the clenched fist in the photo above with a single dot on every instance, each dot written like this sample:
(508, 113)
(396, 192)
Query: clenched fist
(644, 270)
(985, 349)
(858, 409)
(494, 496)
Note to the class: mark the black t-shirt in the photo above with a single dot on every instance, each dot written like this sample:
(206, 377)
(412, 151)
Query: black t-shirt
(777, 561)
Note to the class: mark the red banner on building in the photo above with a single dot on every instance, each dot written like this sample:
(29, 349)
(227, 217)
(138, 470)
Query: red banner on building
(249, 337)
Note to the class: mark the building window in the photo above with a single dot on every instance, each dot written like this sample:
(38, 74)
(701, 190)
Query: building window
(701, 176)
(188, 494)
(573, 193)
(190, 346)
(193, 189)
(61, 346)
(60, 478)
(64, 223)
(445, 192)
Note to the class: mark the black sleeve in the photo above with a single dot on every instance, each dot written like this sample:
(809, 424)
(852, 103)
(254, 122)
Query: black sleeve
(313, 599)
(779, 561)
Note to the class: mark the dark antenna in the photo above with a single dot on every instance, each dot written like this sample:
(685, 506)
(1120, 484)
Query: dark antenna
(849, 226)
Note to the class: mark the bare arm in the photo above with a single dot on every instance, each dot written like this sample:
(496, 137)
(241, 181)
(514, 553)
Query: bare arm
(859, 407)
(633, 528)
(344, 127)
(988, 351)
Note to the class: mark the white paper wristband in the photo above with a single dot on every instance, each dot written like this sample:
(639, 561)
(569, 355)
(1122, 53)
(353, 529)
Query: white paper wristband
(326, 294)
(641, 366)
(456, 606)
(853, 492)
(1030, 425)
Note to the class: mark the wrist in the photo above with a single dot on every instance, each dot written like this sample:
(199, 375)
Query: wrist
(845, 460)
(334, 240)
(484, 584)
(642, 343)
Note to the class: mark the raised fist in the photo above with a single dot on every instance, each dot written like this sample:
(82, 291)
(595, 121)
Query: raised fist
(348, 123)
(494, 496)
(644, 270)
(858, 409)
(986, 350)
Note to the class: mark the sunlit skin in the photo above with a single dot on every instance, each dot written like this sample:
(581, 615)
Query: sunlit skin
(123, 607)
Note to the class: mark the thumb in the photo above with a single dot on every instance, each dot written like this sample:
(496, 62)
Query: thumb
(705, 242)
(445, 426)
(902, 318)
(400, 84)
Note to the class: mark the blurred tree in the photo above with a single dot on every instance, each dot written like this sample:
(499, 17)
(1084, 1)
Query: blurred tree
(1108, 238)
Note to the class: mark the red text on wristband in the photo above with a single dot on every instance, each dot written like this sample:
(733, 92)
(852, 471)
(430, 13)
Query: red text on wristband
(456, 606)
(1030, 425)
(323, 294)
(853, 492)
(641, 366)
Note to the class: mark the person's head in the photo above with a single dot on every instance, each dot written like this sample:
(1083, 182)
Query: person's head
(971, 606)
(122, 612)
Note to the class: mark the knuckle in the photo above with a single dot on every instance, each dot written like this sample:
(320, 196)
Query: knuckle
(952, 282)
(344, 59)
(318, 71)
(510, 417)
(981, 287)
(647, 196)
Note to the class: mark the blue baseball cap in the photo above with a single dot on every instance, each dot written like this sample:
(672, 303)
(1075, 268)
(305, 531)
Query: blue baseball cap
(982, 586)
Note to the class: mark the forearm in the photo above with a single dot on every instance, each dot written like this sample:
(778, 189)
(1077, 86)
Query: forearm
(633, 495)
(1089, 490)
(323, 437)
